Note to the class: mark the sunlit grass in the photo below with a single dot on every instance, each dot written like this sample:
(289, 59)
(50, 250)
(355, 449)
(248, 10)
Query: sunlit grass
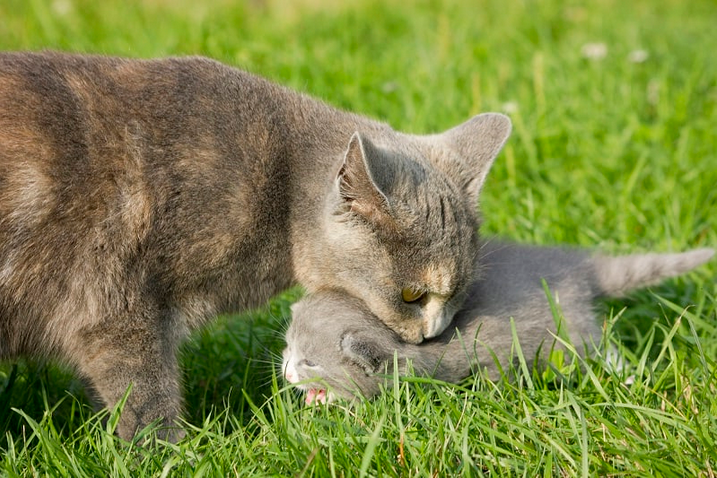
(614, 146)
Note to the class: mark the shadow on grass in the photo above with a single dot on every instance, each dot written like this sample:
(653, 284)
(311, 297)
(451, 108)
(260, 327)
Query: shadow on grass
(224, 363)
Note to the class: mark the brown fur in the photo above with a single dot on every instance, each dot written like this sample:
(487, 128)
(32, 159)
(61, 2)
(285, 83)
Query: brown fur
(140, 198)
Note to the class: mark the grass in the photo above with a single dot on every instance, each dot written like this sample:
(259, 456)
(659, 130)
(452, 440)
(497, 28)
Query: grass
(606, 152)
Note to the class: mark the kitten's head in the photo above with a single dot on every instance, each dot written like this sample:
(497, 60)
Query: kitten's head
(400, 226)
(336, 347)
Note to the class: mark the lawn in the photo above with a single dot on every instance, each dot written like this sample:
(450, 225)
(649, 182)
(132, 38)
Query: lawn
(614, 146)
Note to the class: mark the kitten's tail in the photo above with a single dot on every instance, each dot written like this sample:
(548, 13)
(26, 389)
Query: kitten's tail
(617, 276)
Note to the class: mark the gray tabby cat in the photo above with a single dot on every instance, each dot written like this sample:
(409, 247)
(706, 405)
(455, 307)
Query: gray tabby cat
(140, 198)
(334, 340)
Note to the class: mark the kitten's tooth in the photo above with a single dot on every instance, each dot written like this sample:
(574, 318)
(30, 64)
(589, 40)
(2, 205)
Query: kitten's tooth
(310, 396)
(321, 397)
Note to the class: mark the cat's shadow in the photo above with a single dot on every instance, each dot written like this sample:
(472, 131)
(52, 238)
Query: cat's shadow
(232, 359)
(40, 391)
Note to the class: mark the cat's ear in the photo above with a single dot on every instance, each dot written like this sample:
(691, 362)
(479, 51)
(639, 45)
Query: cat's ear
(363, 352)
(477, 141)
(359, 182)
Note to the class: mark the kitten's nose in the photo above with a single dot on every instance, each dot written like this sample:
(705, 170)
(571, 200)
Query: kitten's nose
(290, 374)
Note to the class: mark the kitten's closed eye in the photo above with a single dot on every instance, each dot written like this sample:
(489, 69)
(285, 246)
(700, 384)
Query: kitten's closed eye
(306, 363)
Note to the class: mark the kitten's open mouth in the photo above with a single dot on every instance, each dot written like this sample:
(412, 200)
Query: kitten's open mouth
(314, 395)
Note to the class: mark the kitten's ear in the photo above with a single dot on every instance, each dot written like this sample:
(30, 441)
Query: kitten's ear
(363, 352)
(477, 141)
(359, 180)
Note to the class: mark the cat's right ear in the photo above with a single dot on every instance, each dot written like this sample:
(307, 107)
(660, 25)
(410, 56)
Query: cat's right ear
(477, 141)
(364, 353)
(359, 182)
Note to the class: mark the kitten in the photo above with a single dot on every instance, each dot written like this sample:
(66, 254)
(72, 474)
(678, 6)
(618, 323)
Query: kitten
(140, 198)
(334, 340)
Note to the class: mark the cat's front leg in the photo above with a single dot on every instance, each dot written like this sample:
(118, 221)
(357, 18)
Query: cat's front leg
(140, 352)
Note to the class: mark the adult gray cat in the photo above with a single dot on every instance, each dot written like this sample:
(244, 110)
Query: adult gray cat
(335, 338)
(139, 198)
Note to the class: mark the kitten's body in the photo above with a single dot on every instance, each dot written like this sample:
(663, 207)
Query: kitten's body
(335, 338)
(138, 199)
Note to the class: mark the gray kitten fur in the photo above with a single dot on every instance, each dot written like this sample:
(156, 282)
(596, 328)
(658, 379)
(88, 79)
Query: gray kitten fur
(335, 338)
(140, 198)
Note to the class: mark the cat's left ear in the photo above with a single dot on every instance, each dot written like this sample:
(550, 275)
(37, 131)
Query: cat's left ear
(477, 142)
(363, 352)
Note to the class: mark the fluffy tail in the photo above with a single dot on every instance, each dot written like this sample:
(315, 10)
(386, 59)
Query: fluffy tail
(617, 276)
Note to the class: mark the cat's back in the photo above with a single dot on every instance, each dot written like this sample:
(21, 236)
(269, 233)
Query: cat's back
(87, 138)
(68, 97)
(35, 82)
(80, 114)
(189, 119)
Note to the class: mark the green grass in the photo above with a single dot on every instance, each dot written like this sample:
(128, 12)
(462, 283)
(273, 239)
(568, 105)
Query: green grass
(605, 153)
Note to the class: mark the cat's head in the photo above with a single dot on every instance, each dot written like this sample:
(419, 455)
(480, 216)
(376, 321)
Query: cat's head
(400, 225)
(335, 347)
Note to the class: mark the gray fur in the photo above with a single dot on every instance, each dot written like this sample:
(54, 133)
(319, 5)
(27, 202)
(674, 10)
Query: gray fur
(335, 338)
(140, 198)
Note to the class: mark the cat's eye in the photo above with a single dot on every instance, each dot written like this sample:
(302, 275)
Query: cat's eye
(410, 296)
(307, 363)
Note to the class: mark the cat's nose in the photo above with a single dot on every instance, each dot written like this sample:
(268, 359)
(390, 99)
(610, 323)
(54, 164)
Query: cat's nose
(434, 326)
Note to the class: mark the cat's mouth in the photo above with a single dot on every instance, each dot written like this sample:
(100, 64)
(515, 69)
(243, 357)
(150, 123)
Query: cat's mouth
(317, 395)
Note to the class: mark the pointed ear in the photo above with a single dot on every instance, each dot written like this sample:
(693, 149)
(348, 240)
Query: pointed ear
(477, 141)
(363, 352)
(359, 180)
